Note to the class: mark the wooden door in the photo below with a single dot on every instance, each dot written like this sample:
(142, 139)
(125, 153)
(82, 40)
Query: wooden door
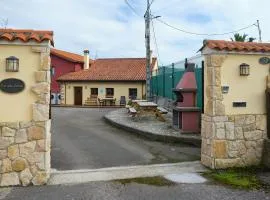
(78, 96)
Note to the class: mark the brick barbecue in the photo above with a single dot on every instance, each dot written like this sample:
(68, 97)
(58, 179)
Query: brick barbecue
(186, 116)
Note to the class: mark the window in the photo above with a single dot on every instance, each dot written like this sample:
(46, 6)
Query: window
(132, 93)
(12, 64)
(94, 91)
(109, 91)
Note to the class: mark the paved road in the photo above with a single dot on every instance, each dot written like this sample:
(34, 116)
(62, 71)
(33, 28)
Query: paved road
(82, 140)
(117, 191)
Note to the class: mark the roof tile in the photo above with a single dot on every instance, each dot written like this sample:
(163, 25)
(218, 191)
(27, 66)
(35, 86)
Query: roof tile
(68, 56)
(112, 69)
(26, 35)
(237, 46)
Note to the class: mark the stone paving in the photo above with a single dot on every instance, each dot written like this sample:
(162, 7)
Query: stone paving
(151, 127)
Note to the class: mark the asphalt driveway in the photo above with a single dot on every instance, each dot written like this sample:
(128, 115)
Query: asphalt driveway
(81, 139)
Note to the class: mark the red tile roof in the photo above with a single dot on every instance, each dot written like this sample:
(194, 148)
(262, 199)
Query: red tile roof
(26, 35)
(236, 46)
(69, 56)
(112, 69)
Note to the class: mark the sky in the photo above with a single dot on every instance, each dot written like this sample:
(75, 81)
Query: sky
(109, 28)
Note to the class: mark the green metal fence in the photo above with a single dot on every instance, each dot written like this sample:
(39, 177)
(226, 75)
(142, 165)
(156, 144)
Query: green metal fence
(165, 79)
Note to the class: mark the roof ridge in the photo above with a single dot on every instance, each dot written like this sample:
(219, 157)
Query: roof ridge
(26, 35)
(134, 58)
(24, 30)
(66, 51)
(224, 45)
(237, 42)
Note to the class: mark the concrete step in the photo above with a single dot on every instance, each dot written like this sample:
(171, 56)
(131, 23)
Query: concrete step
(114, 173)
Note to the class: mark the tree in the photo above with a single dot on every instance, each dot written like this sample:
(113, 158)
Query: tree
(242, 38)
(239, 38)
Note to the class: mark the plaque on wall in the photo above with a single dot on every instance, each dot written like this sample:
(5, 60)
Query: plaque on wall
(12, 85)
(264, 60)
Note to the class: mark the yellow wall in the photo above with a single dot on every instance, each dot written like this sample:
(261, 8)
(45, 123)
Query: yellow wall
(120, 89)
(250, 89)
(18, 107)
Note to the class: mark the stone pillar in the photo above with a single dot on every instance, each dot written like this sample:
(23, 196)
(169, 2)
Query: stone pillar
(228, 140)
(25, 145)
(266, 150)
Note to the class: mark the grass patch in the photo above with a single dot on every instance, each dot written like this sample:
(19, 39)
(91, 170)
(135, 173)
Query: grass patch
(243, 178)
(155, 181)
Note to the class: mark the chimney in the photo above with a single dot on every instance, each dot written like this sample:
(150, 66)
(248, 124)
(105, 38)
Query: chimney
(151, 57)
(86, 59)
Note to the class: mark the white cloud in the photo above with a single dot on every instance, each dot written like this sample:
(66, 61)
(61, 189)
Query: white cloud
(112, 30)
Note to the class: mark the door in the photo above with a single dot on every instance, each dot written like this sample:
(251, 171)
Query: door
(78, 96)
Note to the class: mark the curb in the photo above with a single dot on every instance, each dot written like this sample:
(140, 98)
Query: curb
(155, 137)
(83, 106)
(117, 173)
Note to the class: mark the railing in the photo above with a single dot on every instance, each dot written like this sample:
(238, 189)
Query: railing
(165, 79)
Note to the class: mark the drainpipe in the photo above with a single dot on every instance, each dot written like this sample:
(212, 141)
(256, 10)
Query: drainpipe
(65, 94)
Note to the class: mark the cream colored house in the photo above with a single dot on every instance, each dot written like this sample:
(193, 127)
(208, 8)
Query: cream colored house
(105, 79)
(234, 119)
(24, 109)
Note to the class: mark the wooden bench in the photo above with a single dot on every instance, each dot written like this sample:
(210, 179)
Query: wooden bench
(162, 110)
(132, 111)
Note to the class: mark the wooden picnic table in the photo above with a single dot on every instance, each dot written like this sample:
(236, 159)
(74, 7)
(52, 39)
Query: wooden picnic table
(148, 108)
(111, 100)
(147, 105)
(138, 100)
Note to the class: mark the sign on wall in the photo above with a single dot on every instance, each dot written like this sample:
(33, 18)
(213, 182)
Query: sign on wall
(12, 85)
(264, 60)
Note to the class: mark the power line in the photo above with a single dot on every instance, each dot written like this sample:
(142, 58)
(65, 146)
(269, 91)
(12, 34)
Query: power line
(155, 40)
(132, 8)
(205, 34)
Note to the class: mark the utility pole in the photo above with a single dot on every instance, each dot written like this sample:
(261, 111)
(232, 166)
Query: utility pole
(148, 56)
(259, 29)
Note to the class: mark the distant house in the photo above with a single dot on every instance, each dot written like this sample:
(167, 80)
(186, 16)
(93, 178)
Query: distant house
(106, 78)
(63, 62)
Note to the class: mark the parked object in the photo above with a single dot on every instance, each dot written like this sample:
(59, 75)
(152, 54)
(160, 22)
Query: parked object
(186, 116)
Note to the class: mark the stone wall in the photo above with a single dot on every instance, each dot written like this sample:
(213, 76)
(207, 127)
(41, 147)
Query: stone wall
(232, 141)
(25, 145)
(24, 153)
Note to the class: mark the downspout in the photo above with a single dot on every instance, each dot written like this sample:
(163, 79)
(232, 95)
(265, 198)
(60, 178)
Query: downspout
(142, 90)
(65, 94)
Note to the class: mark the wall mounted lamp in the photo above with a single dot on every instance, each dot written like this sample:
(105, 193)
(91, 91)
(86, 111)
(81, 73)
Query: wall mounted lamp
(12, 64)
(244, 69)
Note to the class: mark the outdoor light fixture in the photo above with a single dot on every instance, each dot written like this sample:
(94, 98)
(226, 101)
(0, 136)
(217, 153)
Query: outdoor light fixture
(244, 69)
(12, 64)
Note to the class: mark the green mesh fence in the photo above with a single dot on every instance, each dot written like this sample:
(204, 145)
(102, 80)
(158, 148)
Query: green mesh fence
(165, 79)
